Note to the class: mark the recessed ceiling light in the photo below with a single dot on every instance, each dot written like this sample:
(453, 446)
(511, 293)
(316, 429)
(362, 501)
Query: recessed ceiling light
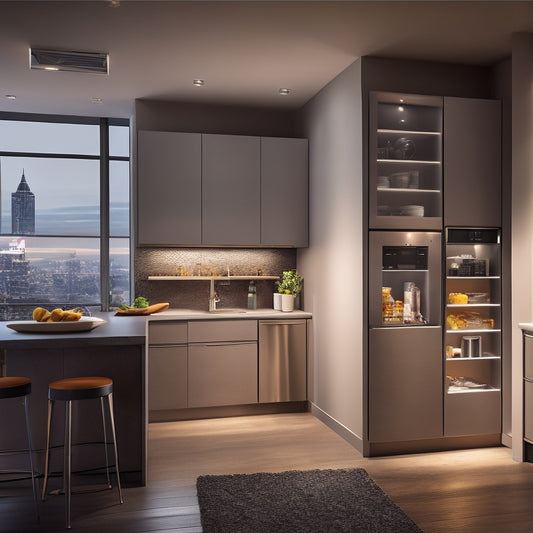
(198, 82)
(284, 91)
(96, 100)
(11, 96)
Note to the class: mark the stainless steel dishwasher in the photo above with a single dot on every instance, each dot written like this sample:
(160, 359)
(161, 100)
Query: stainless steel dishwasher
(282, 360)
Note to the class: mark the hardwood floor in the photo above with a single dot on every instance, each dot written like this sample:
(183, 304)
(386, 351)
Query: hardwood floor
(468, 491)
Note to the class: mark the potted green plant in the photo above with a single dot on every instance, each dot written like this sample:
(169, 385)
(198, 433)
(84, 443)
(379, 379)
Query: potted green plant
(289, 286)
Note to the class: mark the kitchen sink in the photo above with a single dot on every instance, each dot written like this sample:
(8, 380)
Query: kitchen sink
(228, 310)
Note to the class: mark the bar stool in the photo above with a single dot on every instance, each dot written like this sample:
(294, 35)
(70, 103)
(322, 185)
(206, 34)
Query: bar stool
(16, 387)
(69, 390)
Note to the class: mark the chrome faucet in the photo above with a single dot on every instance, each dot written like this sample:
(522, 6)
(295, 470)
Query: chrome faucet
(213, 296)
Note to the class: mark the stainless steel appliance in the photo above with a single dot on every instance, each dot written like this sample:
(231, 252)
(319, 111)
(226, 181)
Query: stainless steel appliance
(405, 341)
(282, 360)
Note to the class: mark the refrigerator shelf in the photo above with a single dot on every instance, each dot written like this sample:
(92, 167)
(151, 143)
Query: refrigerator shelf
(472, 277)
(473, 305)
(483, 357)
(462, 331)
(474, 391)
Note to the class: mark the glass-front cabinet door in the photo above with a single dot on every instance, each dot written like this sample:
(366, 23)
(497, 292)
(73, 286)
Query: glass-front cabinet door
(405, 161)
(473, 340)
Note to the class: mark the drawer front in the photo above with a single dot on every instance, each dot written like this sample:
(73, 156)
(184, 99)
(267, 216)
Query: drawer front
(167, 332)
(222, 375)
(222, 330)
(528, 356)
(528, 411)
(167, 377)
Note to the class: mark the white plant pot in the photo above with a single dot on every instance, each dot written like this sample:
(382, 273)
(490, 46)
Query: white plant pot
(277, 301)
(287, 302)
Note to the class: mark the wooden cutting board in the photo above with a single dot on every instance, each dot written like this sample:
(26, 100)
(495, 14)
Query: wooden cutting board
(156, 308)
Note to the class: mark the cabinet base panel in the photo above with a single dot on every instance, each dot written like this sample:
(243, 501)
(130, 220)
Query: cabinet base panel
(373, 449)
(197, 413)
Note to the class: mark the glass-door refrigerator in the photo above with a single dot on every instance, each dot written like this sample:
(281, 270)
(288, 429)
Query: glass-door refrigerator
(405, 339)
(473, 338)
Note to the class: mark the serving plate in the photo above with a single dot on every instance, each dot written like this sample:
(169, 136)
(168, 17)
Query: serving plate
(85, 323)
(143, 310)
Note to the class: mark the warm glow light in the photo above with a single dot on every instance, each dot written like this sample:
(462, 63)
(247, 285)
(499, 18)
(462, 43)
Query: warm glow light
(400, 108)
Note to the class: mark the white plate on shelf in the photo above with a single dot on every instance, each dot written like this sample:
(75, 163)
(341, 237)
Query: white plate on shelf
(85, 323)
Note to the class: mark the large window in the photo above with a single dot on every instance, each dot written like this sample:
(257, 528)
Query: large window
(64, 213)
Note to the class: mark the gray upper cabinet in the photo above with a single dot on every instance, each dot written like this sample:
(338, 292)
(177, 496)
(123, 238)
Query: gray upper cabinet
(472, 162)
(221, 190)
(169, 188)
(284, 192)
(231, 191)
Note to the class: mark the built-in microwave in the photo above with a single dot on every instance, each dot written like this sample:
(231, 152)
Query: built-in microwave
(405, 257)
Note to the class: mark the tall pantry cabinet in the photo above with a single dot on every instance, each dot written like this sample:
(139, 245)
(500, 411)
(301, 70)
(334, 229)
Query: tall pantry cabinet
(434, 171)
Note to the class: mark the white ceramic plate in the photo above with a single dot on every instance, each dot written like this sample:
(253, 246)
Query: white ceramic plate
(85, 323)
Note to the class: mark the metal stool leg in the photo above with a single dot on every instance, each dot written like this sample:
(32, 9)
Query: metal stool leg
(112, 419)
(30, 449)
(105, 443)
(68, 459)
(47, 454)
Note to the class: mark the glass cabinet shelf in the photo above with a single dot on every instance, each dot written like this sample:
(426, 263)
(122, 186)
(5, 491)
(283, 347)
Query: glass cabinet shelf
(408, 132)
(405, 162)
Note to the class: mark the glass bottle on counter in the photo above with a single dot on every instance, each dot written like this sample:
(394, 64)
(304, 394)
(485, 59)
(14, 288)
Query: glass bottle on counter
(252, 296)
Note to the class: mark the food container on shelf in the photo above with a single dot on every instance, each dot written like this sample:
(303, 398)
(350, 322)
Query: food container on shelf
(412, 210)
(400, 180)
(383, 182)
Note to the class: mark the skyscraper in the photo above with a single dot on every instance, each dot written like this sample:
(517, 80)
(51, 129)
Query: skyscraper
(23, 209)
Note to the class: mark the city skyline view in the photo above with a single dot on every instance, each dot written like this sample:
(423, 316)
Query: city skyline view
(50, 234)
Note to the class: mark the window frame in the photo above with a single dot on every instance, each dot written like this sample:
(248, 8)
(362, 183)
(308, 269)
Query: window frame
(104, 158)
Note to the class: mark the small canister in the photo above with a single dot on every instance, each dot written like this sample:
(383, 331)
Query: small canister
(471, 346)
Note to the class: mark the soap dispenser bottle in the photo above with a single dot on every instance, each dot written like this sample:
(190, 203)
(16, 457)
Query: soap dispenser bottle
(252, 296)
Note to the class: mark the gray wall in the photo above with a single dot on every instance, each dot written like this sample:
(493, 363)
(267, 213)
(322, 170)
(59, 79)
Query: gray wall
(522, 216)
(333, 264)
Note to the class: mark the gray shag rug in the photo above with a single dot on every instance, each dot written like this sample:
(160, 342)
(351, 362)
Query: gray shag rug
(314, 501)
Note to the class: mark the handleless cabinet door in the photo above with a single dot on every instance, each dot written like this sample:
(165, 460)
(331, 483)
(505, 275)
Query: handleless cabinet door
(230, 190)
(167, 377)
(284, 192)
(169, 188)
(405, 387)
(472, 162)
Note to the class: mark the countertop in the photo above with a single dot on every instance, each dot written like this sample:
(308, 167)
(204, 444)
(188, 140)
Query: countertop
(118, 330)
(131, 329)
(526, 326)
(242, 314)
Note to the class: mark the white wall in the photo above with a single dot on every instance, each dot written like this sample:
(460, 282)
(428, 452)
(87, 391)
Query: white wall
(333, 264)
(522, 216)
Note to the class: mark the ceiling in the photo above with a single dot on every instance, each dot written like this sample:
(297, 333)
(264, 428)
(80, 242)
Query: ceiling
(244, 50)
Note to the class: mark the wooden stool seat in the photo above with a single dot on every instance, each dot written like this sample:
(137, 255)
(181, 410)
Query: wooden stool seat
(13, 387)
(72, 389)
(83, 388)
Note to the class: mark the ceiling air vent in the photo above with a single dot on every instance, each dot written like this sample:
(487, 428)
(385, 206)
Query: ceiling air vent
(73, 61)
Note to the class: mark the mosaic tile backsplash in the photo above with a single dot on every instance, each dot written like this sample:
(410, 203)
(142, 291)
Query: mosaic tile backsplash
(208, 262)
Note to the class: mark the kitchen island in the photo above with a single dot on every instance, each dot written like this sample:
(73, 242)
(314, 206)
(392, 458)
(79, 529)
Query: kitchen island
(116, 350)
